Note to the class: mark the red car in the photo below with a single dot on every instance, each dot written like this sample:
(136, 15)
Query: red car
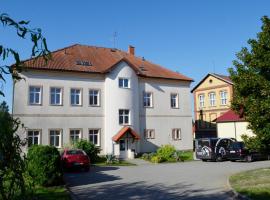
(74, 158)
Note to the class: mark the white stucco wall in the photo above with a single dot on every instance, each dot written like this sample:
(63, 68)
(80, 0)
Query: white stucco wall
(233, 130)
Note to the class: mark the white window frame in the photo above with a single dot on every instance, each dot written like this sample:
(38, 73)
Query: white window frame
(33, 136)
(176, 99)
(223, 97)
(55, 135)
(201, 100)
(71, 135)
(176, 134)
(121, 83)
(92, 94)
(76, 96)
(34, 93)
(123, 116)
(212, 99)
(149, 133)
(148, 98)
(93, 130)
(56, 93)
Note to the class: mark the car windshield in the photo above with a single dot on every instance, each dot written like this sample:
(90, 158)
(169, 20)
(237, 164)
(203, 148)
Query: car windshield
(75, 152)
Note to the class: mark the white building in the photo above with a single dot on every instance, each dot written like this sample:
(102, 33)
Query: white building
(116, 100)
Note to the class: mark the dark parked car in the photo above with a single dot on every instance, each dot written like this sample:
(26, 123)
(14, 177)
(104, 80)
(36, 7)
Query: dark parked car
(214, 149)
(237, 151)
(75, 158)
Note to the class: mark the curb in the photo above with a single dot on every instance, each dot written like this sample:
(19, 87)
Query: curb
(235, 195)
(72, 196)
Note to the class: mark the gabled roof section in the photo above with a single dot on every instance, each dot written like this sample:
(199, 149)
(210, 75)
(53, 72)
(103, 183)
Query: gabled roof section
(102, 60)
(123, 131)
(218, 76)
(230, 116)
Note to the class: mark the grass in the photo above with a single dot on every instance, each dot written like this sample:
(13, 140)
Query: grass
(254, 184)
(51, 193)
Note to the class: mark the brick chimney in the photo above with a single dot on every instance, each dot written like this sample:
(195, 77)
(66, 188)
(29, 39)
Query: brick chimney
(131, 50)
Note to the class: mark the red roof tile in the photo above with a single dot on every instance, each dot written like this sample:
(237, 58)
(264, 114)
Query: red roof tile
(123, 131)
(102, 61)
(230, 116)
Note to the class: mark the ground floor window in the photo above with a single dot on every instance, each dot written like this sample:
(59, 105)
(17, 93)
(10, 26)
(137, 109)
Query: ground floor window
(55, 138)
(94, 136)
(33, 137)
(75, 135)
(149, 133)
(176, 134)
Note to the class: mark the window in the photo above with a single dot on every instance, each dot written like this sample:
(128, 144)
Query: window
(94, 97)
(35, 95)
(123, 116)
(123, 83)
(55, 138)
(212, 99)
(75, 135)
(174, 101)
(94, 136)
(76, 97)
(149, 133)
(223, 97)
(56, 96)
(176, 134)
(33, 137)
(201, 100)
(147, 99)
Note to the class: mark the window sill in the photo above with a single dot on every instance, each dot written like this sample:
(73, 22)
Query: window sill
(76, 105)
(56, 104)
(35, 104)
(175, 108)
(94, 106)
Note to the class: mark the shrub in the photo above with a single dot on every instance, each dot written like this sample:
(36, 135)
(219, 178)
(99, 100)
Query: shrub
(90, 149)
(44, 165)
(110, 159)
(166, 151)
(157, 159)
(145, 156)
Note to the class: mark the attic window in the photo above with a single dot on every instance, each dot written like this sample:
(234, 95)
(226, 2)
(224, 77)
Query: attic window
(83, 63)
(210, 81)
(142, 68)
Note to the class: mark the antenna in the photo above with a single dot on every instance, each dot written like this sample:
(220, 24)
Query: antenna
(114, 38)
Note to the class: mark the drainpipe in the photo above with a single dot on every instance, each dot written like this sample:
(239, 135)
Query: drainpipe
(234, 129)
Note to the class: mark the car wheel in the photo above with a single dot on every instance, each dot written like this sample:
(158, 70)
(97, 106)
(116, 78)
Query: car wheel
(218, 158)
(204, 160)
(232, 160)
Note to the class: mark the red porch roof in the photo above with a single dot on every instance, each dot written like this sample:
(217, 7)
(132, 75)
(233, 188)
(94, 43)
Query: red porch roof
(230, 116)
(122, 132)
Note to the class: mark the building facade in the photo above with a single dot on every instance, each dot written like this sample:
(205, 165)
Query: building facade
(212, 97)
(120, 102)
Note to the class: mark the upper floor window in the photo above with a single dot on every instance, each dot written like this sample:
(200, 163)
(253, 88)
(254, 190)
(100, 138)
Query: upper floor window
(56, 96)
(33, 137)
(212, 99)
(149, 133)
(35, 95)
(55, 138)
(176, 134)
(201, 100)
(223, 97)
(124, 83)
(76, 97)
(94, 97)
(147, 99)
(75, 135)
(94, 136)
(174, 101)
(123, 116)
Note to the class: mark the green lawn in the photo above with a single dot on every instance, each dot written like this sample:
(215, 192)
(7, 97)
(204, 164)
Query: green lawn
(52, 193)
(254, 184)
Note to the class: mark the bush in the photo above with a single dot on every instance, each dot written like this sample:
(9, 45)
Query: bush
(111, 159)
(44, 165)
(157, 159)
(145, 156)
(90, 149)
(166, 151)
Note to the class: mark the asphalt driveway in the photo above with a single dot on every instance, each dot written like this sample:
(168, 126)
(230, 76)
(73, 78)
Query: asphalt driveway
(189, 180)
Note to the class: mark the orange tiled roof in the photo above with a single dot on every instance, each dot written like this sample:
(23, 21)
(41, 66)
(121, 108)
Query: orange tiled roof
(122, 132)
(102, 60)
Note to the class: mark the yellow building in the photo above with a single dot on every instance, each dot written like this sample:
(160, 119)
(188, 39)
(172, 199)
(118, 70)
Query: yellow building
(212, 97)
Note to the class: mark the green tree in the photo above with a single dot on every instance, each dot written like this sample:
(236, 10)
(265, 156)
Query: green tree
(251, 78)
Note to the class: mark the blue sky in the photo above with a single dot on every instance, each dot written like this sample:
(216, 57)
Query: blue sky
(192, 37)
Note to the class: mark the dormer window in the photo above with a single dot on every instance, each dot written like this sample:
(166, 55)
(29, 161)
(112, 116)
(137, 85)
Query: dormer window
(83, 63)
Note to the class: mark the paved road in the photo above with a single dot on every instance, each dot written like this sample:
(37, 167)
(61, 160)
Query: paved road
(189, 180)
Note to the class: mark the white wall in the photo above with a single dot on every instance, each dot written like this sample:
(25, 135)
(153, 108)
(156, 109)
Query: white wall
(233, 130)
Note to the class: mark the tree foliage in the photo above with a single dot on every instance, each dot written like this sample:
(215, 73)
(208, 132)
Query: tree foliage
(251, 78)
(23, 31)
